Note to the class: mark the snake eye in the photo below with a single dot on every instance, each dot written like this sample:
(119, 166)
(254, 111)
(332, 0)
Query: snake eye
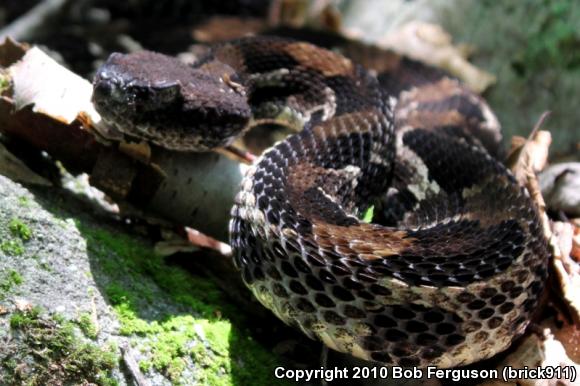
(102, 89)
(107, 89)
(155, 96)
(166, 92)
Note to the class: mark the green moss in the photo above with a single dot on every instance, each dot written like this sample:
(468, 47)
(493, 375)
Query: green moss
(13, 247)
(19, 229)
(125, 308)
(8, 281)
(21, 233)
(85, 323)
(23, 201)
(172, 335)
(176, 339)
(51, 353)
(24, 319)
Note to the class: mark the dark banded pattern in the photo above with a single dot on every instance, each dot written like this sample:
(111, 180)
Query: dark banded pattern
(455, 261)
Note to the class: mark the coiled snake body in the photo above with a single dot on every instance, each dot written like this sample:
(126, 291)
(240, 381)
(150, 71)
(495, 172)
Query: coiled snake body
(455, 262)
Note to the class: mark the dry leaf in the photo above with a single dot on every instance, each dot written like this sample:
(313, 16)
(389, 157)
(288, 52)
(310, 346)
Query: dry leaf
(222, 28)
(569, 336)
(321, 14)
(545, 349)
(575, 253)
(50, 88)
(22, 305)
(528, 156)
(566, 269)
(41, 111)
(430, 43)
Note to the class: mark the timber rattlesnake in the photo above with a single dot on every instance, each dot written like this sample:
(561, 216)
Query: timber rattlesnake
(455, 261)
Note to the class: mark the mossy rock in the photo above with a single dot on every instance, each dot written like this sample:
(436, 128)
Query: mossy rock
(76, 288)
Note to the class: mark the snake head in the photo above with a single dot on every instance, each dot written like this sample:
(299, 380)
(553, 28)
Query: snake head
(154, 97)
(137, 80)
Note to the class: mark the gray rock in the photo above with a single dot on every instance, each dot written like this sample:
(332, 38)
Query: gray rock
(560, 185)
(97, 289)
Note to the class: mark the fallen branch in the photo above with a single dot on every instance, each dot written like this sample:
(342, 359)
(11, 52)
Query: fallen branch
(133, 367)
(27, 25)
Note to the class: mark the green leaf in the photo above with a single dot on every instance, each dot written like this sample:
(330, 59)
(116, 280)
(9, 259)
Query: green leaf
(368, 215)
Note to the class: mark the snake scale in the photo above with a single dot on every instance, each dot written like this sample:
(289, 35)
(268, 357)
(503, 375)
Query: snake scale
(454, 262)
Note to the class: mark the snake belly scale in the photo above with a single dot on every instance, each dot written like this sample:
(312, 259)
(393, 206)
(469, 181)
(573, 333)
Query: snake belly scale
(455, 263)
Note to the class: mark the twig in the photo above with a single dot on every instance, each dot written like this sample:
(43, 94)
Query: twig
(237, 154)
(539, 123)
(26, 25)
(133, 367)
(200, 239)
(518, 158)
